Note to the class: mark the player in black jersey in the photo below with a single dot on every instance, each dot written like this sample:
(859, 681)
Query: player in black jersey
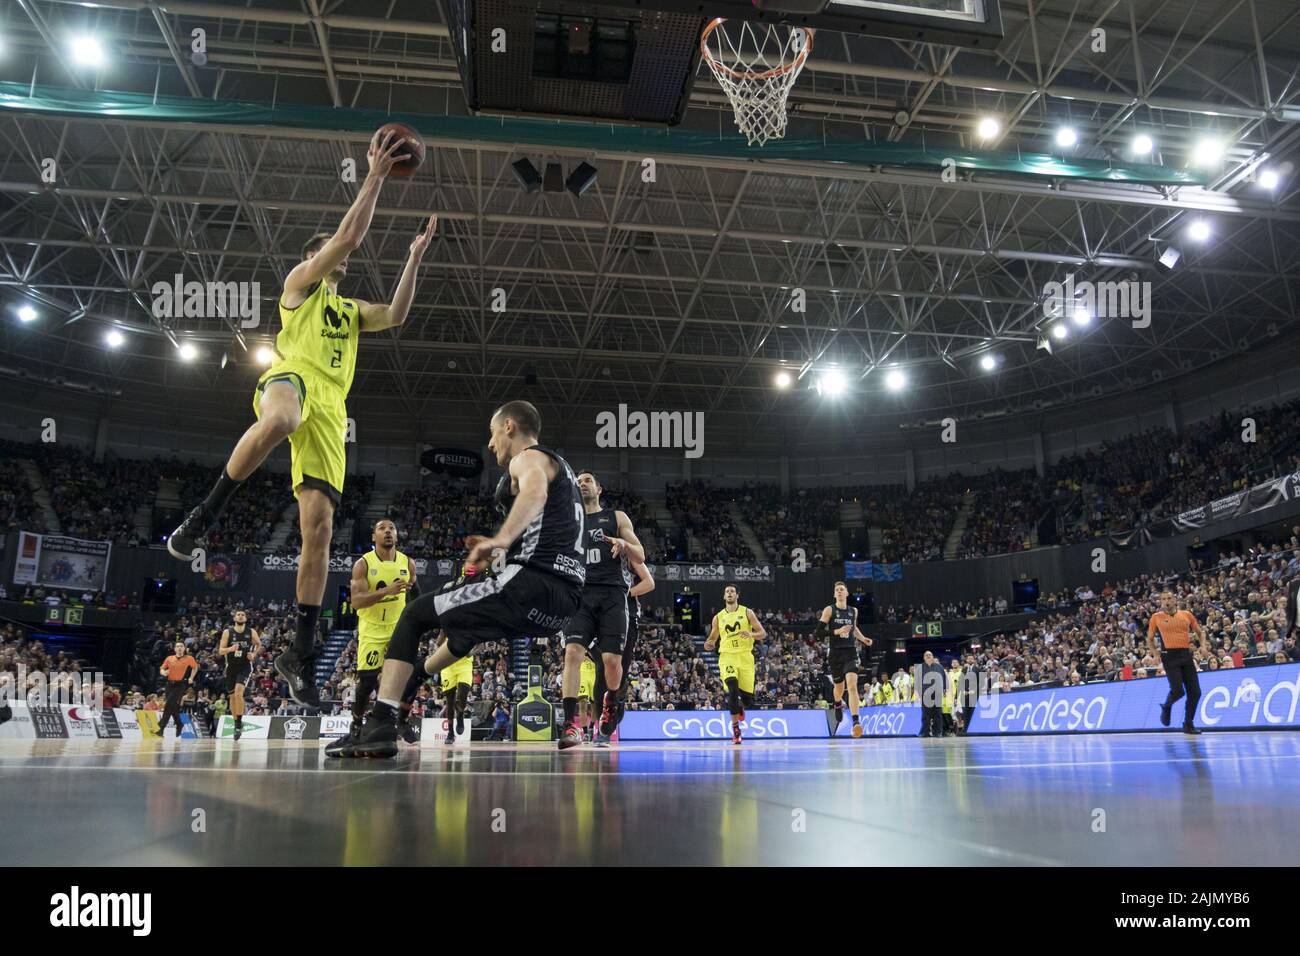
(535, 592)
(239, 645)
(644, 585)
(839, 625)
(600, 626)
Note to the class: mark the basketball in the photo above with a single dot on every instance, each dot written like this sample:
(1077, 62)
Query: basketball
(414, 146)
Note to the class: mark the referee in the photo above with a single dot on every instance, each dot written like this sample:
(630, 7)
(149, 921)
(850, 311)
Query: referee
(1169, 633)
(174, 669)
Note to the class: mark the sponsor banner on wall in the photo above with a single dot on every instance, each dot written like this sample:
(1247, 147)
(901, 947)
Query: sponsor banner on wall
(1254, 698)
(47, 722)
(255, 728)
(81, 721)
(128, 723)
(332, 728)
(456, 462)
(705, 573)
(1273, 492)
(289, 562)
(19, 725)
(60, 562)
(884, 721)
(292, 728)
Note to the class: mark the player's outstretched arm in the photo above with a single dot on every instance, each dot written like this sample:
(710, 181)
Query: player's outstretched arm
(376, 317)
(383, 154)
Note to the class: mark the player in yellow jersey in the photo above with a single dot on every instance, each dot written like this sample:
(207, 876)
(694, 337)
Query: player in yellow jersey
(736, 627)
(456, 680)
(302, 398)
(586, 691)
(381, 579)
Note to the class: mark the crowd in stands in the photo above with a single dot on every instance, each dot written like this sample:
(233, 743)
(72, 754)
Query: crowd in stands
(706, 512)
(96, 499)
(349, 514)
(784, 522)
(915, 527)
(1006, 508)
(252, 513)
(1240, 603)
(433, 520)
(951, 611)
(18, 510)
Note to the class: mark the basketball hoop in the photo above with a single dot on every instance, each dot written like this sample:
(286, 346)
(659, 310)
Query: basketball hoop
(756, 70)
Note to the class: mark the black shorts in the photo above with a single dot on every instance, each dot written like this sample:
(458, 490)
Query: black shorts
(237, 676)
(843, 660)
(518, 602)
(601, 621)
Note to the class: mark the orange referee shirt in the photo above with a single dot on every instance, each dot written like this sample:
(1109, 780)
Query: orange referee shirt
(1174, 629)
(177, 666)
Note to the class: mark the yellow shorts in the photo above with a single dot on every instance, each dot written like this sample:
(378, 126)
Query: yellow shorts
(462, 672)
(587, 680)
(318, 458)
(372, 648)
(739, 666)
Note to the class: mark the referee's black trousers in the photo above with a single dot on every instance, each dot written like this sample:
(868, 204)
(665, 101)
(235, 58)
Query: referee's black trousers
(172, 706)
(1180, 668)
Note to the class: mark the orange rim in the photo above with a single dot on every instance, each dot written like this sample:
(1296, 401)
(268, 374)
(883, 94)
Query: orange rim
(794, 64)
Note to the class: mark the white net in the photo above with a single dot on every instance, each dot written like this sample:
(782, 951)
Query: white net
(756, 64)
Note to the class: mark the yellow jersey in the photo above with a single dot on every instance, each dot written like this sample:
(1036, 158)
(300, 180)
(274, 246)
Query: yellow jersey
(383, 614)
(733, 631)
(322, 333)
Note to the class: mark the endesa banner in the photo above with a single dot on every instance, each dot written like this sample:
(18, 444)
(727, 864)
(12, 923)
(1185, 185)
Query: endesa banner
(1251, 698)
(884, 721)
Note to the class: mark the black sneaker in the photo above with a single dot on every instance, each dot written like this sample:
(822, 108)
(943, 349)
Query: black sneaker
(297, 673)
(374, 738)
(182, 542)
(238, 730)
(408, 731)
(6, 713)
(607, 722)
(1164, 714)
(570, 736)
(342, 747)
(1189, 729)
(451, 738)
(460, 724)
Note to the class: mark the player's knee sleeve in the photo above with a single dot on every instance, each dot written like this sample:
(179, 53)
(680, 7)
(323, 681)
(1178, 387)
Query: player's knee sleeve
(462, 696)
(417, 617)
(733, 694)
(747, 698)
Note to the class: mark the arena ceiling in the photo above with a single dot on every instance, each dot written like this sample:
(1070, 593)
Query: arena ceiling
(673, 294)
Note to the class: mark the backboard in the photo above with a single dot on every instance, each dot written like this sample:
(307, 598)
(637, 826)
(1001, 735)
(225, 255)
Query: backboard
(635, 61)
(970, 23)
